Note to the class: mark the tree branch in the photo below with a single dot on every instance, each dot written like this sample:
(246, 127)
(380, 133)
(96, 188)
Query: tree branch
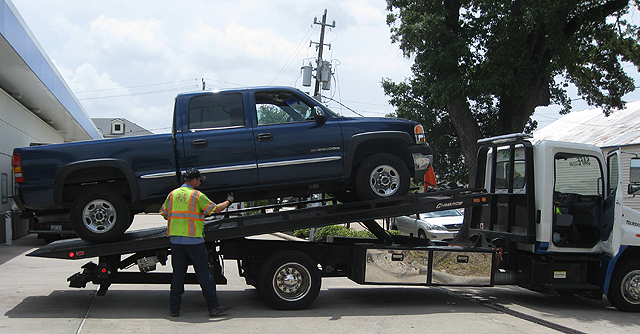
(593, 15)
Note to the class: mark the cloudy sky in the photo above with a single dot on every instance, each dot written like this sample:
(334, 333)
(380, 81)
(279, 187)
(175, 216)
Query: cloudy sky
(130, 58)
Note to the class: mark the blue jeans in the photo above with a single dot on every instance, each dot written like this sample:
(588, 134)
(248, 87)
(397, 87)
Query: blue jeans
(180, 255)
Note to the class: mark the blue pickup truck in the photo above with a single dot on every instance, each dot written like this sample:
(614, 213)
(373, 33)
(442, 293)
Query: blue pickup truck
(260, 143)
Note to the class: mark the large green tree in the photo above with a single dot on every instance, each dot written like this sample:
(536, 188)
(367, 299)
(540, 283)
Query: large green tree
(480, 68)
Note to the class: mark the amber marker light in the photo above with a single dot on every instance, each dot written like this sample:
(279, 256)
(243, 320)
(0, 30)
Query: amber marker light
(418, 130)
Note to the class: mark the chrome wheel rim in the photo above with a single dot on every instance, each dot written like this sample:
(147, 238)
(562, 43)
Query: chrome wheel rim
(292, 282)
(99, 216)
(631, 287)
(384, 180)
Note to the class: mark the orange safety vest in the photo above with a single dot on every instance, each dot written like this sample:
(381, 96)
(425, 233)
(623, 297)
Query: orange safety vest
(185, 209)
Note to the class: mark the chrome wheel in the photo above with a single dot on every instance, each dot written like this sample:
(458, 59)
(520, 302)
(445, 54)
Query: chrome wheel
(99, 216)
(384, 180)
(630, 287)
(291, 281)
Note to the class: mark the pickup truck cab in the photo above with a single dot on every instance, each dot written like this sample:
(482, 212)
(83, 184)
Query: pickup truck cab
(260, 143)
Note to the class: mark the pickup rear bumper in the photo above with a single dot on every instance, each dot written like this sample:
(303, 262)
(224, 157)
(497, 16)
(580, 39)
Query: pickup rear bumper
(422, 160)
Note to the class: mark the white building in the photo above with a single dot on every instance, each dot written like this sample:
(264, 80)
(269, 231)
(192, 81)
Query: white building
(591, 126)
(36, 105)
(119, 127)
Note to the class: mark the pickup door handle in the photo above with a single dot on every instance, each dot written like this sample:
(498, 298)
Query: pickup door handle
(265, 137)
(199, 143)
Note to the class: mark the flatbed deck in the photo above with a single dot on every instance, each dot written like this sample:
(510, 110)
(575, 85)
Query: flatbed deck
(248, 225)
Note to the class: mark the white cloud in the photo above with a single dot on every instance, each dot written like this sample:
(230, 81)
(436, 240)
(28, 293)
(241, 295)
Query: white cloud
(107, 49)
(138, 39)
(87, 79)
(365, 12)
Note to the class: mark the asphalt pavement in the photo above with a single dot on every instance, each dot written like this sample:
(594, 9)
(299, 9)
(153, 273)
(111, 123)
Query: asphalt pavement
(35, 298)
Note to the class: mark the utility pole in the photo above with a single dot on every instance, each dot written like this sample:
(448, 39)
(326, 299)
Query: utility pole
(321, 45)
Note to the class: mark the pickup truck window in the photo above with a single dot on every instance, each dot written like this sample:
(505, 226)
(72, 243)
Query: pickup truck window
(281, 107)
(216, 111)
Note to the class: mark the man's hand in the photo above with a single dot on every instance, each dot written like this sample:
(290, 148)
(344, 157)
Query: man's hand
(230, 197)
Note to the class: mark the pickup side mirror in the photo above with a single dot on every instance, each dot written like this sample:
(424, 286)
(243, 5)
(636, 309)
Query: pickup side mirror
(319, 115)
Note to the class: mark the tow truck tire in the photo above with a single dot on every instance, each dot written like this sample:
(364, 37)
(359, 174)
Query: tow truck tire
(382, 175)
(624, 291)
(100, 215)
(289, 280)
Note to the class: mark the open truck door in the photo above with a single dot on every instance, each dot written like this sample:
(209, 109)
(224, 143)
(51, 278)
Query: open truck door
(612, 205)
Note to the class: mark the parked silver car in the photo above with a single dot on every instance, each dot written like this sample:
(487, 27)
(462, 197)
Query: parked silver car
(438, 225)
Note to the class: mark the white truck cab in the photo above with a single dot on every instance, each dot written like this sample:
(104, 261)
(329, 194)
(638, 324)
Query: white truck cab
(557, 213)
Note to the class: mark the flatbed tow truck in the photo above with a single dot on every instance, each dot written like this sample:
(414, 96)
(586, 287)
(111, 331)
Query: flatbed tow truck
(561, 230)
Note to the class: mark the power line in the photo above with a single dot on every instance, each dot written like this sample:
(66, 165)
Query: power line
(140, 93)
(147, 85)
(340, 103)
(225, 82)
(370, 104)
(294, 54)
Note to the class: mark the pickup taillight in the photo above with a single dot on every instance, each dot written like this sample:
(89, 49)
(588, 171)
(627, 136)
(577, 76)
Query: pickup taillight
(16, 163)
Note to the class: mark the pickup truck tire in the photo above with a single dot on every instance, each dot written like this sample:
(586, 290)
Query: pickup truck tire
(289, 280)
(100, 215)
(624, 291)
(382, 175)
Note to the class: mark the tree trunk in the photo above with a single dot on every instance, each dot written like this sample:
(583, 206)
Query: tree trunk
(468, 133)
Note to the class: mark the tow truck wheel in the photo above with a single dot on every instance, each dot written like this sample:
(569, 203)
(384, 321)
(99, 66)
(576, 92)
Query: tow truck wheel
(289, 280)
(624, 292)
(100, 215)
(382, 175)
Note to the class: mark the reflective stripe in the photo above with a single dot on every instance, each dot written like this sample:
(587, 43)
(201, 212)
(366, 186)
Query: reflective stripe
(210, 208)
(167, 211)
(193, 205)
(193, 200)
(185, 215)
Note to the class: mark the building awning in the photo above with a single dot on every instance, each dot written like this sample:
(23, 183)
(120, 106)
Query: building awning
(27, 73)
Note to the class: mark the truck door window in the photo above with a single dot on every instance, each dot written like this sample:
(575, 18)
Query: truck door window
(614, 178)
(577, 200)
(577, 174)
(216, 111)
(281, 107)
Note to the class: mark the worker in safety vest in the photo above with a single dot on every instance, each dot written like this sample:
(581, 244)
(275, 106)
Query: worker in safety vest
(185, 209)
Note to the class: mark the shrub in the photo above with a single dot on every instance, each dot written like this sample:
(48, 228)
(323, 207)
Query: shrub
(336, 230)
